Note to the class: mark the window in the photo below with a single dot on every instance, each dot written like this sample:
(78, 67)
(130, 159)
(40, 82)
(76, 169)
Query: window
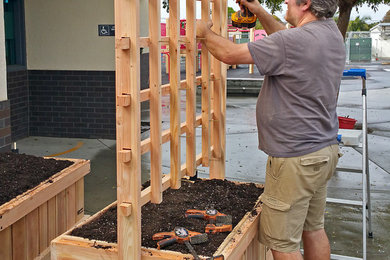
(14, 32)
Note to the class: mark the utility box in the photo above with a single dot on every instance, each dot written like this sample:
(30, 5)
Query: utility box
(359, 46)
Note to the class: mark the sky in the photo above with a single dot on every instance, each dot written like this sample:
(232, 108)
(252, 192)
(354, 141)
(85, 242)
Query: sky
(362, 11)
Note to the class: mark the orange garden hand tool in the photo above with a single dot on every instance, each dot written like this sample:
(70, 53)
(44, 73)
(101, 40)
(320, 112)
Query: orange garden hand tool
(218, 228)
(209, 214)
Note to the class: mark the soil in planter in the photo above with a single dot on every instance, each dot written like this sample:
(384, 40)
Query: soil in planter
(21, 172)
(225, 196)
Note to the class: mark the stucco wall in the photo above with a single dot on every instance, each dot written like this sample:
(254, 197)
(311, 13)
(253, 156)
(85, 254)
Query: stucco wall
(3, 77)
(380, 46)
(63, 35)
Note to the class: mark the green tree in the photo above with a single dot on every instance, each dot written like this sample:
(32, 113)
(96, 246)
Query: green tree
(359, 24)
(345, 8)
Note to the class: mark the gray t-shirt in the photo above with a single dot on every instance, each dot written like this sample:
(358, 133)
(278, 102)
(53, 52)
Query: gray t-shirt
(296, 108)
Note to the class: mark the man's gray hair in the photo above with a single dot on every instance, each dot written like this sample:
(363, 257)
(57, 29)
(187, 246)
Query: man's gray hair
(322, 8)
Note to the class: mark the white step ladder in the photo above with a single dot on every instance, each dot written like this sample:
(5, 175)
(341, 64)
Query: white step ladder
(365, 203)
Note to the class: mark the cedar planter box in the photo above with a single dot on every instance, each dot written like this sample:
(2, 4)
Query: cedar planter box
(31, 220)
(240, 244)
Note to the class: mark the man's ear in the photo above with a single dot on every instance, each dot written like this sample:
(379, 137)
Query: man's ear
(306, 5)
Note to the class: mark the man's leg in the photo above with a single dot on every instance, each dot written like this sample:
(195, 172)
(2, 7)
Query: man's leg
(287, 256)
(316, 245)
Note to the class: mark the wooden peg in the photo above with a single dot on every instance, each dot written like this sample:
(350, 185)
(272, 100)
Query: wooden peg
(125, 155)
(123, 100)
(125, 208)
(123, 43)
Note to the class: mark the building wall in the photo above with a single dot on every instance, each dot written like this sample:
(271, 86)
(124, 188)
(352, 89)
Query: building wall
(63, 35)
(3, 77)
(380, 46)
(18, 94)
(5, 127)
(5, 118)
(68, 89)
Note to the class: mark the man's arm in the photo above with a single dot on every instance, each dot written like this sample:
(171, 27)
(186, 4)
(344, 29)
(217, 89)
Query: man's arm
(222, 48)
(270, 24)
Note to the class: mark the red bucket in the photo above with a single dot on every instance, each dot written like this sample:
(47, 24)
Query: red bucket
(346, 122)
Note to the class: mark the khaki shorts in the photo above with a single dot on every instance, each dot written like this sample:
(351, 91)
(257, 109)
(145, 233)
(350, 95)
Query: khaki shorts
(294, 197)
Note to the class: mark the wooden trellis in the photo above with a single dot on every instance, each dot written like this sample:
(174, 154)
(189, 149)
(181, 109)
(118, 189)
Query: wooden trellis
(241, 243)
(212, 119)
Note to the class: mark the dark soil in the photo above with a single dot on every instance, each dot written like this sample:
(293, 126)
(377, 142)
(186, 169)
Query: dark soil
(21, 172)
(225, 196)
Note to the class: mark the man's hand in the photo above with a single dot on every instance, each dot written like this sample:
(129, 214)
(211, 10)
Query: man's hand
(253, 6)
(202, 28)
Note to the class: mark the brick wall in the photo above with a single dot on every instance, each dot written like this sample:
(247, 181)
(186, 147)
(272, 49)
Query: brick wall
(72, 103)
(78, 104)
(5, 126)
(18, 95)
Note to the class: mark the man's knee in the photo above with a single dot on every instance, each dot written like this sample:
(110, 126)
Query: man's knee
(277, 255)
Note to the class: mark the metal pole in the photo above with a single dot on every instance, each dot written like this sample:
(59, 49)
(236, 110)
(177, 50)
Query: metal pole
(368, 208)
(364, 169)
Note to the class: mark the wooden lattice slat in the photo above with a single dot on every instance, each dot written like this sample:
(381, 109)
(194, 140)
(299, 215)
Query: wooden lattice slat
(155, 100)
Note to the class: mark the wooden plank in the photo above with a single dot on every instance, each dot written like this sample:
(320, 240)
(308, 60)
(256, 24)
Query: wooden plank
(174, 48)
(165, 89)
(224, 33)
(251, 39)
(191, 52)
(66, 247)
(61, 212)
(32, 234)
(166, 135)
(15, 209)
(205, 92)
(51, 219)
(79, 199)
(127, 23)
(155, 100)
(70, 206)
(240, 238)
(6, 244)
(216, 169)
(19, 240)
(43, 228)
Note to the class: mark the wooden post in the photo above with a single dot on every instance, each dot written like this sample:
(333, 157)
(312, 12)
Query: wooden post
(205, 92)
(251, 39)
(191, 53)
(234, 40)
(224, 33)
(155, 100)
(217, 170)
(167, 46)
(174, 53)
(128, 129)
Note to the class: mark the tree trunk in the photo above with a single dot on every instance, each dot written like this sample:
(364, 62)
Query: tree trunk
(345, 8)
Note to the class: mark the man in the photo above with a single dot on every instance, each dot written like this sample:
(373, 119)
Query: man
(296, 119)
